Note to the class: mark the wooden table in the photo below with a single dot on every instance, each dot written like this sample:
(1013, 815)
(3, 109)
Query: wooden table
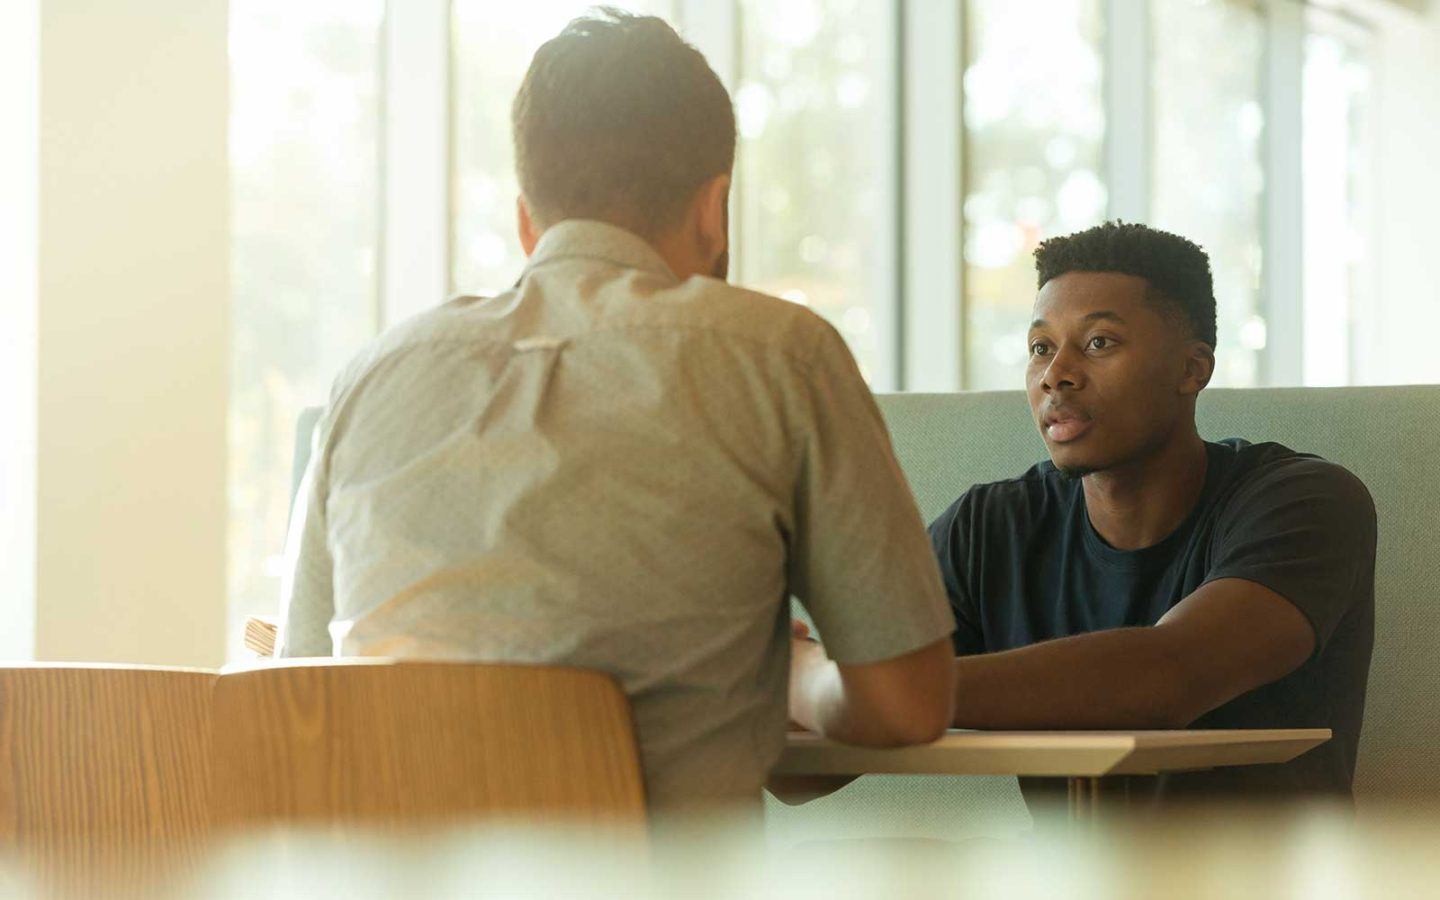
(1085, 758)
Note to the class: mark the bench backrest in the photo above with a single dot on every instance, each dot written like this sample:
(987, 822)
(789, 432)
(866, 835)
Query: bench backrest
(1388, 436)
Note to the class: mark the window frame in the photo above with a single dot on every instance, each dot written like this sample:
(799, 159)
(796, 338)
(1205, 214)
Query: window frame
(927, 316)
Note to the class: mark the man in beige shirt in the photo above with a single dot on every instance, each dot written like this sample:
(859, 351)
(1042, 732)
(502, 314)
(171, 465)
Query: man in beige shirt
(626, 464)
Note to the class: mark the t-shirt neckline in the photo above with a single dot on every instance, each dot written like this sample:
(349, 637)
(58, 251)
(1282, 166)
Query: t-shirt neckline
(1147, 557)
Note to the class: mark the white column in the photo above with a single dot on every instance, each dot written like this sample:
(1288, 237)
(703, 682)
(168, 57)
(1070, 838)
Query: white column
(415, 209)
(132, 331)
(933, 254)
(19, 221)
(1283, 277)
(886, 282)
(713, 26)
(1127, 108)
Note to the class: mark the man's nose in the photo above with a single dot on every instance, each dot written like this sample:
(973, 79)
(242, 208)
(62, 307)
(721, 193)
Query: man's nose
(1064, 371)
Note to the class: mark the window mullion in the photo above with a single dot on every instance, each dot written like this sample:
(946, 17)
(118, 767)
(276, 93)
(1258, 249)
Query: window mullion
(1282, 362)
(415, 160)
(1127, 109)
(713, 26)
(933, 252)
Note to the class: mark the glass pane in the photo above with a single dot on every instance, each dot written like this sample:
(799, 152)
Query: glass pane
(1034, 133)
(815, 190)
(492, 47)
(1336, 80)
(1207, 176)
(304, 119)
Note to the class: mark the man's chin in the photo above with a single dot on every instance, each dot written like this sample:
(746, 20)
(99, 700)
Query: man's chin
(1072, 469)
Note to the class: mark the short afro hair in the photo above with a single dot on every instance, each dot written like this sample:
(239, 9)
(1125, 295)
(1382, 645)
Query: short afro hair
(1177, 269)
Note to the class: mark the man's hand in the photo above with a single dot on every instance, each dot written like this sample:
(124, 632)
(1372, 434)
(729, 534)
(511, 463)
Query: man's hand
(807, 657)
(806, 654)
(888, 703)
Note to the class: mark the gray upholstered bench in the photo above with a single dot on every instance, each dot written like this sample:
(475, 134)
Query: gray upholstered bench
(1389, 436)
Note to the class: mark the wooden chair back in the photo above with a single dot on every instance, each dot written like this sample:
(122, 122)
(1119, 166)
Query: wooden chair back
(406, 744)
(104, 771)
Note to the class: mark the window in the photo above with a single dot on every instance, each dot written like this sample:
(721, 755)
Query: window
(1238, 123)
(304, 128)
(1034, 134)
(1206, 180)
(815, 188)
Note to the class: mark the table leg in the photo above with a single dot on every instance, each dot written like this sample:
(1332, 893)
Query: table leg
(1084, 795)
(1093, 799)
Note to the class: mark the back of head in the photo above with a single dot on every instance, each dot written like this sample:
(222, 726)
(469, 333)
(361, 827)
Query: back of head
(619, 120)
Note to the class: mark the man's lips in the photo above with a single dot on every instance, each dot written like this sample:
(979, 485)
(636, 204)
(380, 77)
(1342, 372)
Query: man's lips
(1064, 427)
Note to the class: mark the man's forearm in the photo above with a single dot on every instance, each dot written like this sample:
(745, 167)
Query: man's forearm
(1124, 678)
(818, 704)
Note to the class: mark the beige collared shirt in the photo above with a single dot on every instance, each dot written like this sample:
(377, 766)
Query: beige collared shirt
(609, 468)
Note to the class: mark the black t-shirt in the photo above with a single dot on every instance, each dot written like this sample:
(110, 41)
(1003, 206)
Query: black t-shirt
(1023, 564)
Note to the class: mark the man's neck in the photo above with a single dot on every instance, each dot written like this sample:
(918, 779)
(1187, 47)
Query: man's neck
(1140, 504)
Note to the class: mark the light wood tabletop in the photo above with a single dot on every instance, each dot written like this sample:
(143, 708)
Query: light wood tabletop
(1069, 754)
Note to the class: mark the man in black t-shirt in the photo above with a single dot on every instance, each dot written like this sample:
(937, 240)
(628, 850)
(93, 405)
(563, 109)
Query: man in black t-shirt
(1142, 577)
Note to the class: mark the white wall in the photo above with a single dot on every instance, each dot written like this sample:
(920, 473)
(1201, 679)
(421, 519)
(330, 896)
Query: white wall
(1396, 336)
(133, 320)
(19, 218)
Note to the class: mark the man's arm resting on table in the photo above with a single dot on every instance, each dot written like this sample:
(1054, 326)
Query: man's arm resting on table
(1227, 638)
(893, 702)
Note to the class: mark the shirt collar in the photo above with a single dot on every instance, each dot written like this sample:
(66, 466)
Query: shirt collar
(588, 239)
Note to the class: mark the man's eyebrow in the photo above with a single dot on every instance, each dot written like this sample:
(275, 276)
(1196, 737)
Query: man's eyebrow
(1097, 316)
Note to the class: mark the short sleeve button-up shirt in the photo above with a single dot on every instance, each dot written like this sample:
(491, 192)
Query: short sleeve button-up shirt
(607, 467)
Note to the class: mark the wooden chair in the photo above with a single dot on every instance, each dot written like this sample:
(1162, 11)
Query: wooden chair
(406, 744)
(104, 772)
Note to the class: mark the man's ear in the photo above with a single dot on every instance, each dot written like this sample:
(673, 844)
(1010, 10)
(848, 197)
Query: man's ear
(1199, 368)
(712, 218)
(525, 225)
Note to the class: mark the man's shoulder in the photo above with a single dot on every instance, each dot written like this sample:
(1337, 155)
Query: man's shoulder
(1028, 497)
(453, 321)
(1269, 469)
(1042, 477)
(726, 295)
(749, 315)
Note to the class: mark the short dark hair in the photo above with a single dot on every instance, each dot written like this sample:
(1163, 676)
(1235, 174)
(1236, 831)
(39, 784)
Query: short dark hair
(618, 119)
(1177, 270)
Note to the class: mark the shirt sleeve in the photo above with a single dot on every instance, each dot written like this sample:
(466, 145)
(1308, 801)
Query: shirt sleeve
(859, 559)
(951, 540)
(307, 598)
(1304, 528)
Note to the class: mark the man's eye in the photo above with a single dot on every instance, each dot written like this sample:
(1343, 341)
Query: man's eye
(1099, 343)
(1038, 349)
